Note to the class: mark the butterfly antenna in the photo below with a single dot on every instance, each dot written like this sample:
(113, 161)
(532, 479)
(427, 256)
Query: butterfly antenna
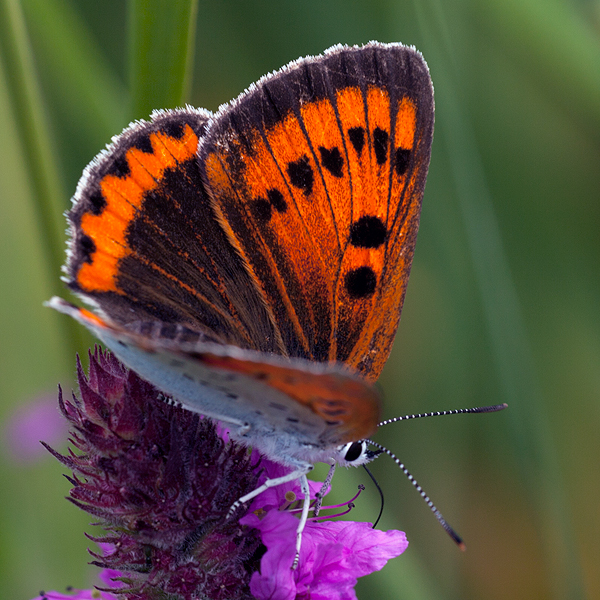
(438, 515)
(439, 413)
(380, 494)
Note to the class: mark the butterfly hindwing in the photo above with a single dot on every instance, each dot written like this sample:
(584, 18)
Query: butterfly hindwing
(318, 405)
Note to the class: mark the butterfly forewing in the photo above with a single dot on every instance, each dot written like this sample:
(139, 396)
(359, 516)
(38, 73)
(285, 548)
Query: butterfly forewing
(317, 174)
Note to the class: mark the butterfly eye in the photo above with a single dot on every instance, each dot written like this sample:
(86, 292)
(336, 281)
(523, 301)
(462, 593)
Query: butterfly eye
(355, 453)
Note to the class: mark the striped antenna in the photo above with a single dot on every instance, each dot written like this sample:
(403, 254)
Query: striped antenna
(438, 515)
(460, 411)
(439, 413)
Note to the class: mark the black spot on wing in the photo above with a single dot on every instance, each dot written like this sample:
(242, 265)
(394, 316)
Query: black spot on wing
(380, 145)
(97, 203)
(142, 143)
(357, 138)
(261, 209)
(174, 129)
(87, 247)
(119, 167)
(361, 282)
(301, 174)
(402, 160)
(332, 160)
(367, 232)
(277, 200)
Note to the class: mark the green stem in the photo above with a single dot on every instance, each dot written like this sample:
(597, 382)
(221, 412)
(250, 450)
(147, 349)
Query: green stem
(161, 49)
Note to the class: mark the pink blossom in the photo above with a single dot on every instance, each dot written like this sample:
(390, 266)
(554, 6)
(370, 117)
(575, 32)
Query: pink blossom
(332, 557)
(36, 420)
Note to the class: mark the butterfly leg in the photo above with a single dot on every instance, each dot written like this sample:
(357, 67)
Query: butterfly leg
(303, 518)
(323, 491)
(269, 483)
(299, 474)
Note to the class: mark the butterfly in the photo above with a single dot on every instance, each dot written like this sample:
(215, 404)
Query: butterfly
(252, 264)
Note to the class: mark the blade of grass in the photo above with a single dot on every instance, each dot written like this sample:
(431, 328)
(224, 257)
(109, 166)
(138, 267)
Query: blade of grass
(532, 439)
(161, 47)
(34, 131)
(89, 88)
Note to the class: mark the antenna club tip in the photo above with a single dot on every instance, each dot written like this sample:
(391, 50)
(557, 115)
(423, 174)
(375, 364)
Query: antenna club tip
(462, 546)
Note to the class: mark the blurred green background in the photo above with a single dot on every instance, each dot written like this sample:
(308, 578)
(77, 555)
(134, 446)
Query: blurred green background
(503, 303)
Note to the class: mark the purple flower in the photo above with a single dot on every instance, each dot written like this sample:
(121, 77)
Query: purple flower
(332, 556)
(36, 420)
(161, 481)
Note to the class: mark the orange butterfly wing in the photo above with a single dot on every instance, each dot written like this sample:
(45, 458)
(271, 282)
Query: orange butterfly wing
(316, 174)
